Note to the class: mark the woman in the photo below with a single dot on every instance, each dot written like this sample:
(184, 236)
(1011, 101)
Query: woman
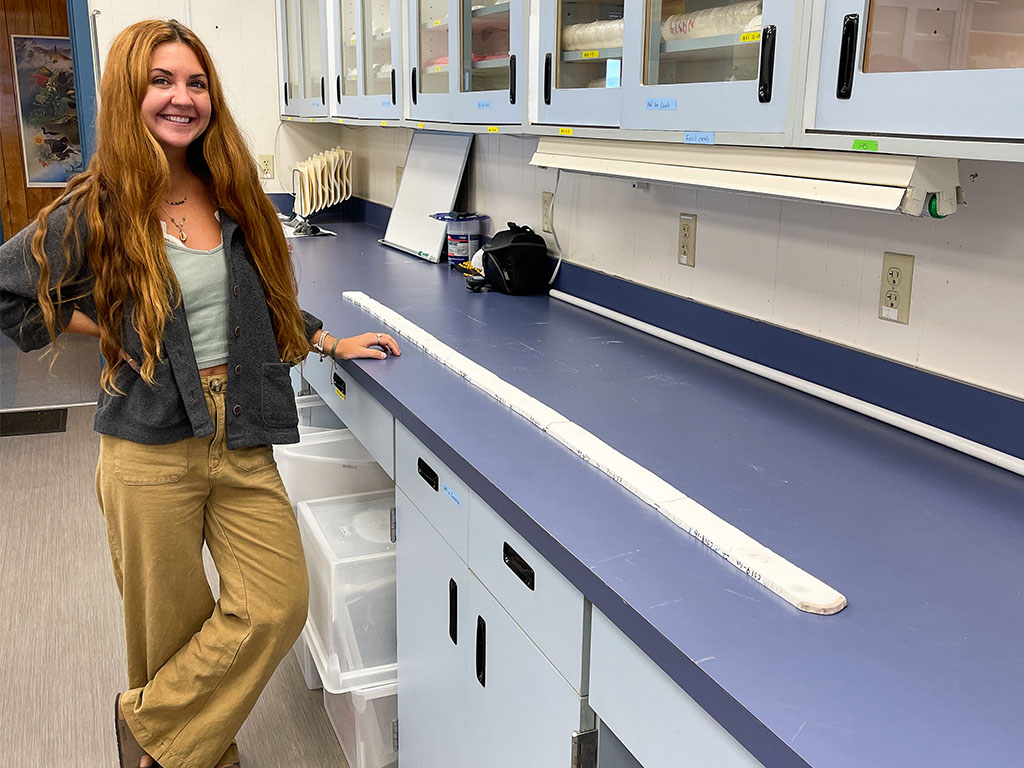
(167, 250)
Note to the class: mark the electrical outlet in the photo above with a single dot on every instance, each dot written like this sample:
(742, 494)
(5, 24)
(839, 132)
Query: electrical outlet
(545, 210)
(894, 292)
(688, 239)
(266, 164)
(398, 176)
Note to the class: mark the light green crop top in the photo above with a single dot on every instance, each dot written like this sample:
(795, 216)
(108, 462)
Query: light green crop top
(203, 277)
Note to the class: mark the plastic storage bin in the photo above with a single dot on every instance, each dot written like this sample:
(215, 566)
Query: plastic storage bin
(351, 631)
(330, 463)
(306, 664)
(314, 412)
(364, 722)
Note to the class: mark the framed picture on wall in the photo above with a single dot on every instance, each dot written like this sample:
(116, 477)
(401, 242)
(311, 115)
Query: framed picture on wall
(44, 86)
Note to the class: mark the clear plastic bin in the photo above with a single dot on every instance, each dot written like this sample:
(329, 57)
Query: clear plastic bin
(314, 412)
(364, 722)
(351, 631)
(306, 664)
(328, 463)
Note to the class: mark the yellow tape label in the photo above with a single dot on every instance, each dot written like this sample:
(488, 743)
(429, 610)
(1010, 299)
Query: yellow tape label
(419, 125)
(339, 393)
(439, 67)
(750, 37)
(492, 129)
(565, 131)
(437, 22)
(591, 54)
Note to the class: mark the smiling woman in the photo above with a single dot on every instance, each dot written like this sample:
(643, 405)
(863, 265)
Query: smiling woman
(197, 340)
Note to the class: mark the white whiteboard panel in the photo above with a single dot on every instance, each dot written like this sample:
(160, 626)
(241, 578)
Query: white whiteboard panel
(430, 182)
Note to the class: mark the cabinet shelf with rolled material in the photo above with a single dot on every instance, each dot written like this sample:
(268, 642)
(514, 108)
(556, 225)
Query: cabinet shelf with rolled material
(710, 48)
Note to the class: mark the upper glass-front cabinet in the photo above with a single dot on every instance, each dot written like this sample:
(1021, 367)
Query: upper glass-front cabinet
(472, 71)
(941, 68)
(303, 58)
(708, 65)
(366, 54)
(580, 62)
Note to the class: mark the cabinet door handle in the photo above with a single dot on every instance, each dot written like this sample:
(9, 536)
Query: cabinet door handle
(414, 88)
(453, 611)
(339, 89)
(323, 90)
(286, 94)
(394, 87)
(339, 383)
(481, 651)
(512, 79)
(518, 566)
(764, 85)
(429, 475)
(547, 79)
(847, 56)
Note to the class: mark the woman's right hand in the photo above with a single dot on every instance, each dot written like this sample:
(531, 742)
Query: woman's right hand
(134, 364)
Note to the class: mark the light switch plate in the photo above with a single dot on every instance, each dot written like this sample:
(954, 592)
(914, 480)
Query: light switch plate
(894, 291)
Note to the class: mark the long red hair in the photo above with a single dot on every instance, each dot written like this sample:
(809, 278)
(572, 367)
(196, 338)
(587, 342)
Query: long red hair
(117, 198)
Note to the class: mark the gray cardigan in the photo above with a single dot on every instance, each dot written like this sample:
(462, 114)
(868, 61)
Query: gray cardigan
(259, 399)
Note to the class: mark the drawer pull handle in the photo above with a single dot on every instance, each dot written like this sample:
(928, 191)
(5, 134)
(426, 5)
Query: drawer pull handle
(481, 651)
(339, 383)
(847, 56)
(453, 611)
(547, 78)
(518, 566)
(767, 67)
(429, 475)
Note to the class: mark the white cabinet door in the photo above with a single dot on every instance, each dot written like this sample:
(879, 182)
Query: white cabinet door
(366, 58)
(521, 712)
(950, 68)
(489, 84)
(580, 62)
(724, 67)
(431, 42)
(303, 57)
(432, 648)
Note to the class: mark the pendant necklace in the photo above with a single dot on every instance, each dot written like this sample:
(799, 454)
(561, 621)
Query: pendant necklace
(181, 226)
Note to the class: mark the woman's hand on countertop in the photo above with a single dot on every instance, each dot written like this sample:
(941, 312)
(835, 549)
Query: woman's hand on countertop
(373, 345)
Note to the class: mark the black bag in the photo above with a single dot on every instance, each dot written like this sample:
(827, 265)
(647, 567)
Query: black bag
(516, 262)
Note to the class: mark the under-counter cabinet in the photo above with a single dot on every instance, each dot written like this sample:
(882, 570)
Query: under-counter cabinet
(950, 68)
(468, 61)
(708, 66)
(302, 51)
(580, 62)
(366, 52)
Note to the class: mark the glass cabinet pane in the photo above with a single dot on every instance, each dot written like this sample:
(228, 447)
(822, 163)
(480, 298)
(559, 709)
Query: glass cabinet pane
(485, 45)
(312, 48)
(702, 41)
(904, 36)
(433, 72)
(349, 57)
(377, 49)
(291, 25)
(589, 44)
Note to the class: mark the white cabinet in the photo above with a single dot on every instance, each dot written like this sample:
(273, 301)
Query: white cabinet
(302, 49)
(468, 60)
(708, 66)
(580, 62)
(949, 68)
(366, 54)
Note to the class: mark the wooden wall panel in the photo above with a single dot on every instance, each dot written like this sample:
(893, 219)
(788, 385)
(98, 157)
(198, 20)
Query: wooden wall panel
(19, 205)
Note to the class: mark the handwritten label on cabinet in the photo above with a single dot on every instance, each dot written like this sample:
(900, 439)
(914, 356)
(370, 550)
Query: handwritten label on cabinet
(385, 102)
(865, 145)
(565, 131)
(591, 54)
(483, 104)
(492, 129)
(451, 495)
(750, 37)
(661, 105)
(698, 137)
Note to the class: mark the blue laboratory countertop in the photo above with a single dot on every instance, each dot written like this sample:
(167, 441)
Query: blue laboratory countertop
(924, 667)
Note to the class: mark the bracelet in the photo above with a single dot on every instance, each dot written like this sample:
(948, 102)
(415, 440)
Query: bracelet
(334, 348)
(318, 345)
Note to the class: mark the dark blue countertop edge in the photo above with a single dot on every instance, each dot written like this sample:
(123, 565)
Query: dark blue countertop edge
(977, 414)
(355, 209)
(756, 737)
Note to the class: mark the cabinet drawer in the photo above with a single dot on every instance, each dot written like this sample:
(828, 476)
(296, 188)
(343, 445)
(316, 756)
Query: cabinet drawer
(542, 602)
(435, 490)
(652, 716)
(371, 423)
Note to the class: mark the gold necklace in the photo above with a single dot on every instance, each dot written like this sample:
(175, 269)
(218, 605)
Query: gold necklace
(181, 227)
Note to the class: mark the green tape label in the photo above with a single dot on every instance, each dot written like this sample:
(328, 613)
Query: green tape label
(865, 145)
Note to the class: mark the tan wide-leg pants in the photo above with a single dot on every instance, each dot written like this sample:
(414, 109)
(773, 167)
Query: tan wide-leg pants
(196, 667)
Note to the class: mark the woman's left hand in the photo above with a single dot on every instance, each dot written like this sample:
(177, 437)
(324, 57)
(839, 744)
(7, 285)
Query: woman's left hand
(376, 345)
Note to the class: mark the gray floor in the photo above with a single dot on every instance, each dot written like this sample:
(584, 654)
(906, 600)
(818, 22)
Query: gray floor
(62, 657)
(28, 381)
